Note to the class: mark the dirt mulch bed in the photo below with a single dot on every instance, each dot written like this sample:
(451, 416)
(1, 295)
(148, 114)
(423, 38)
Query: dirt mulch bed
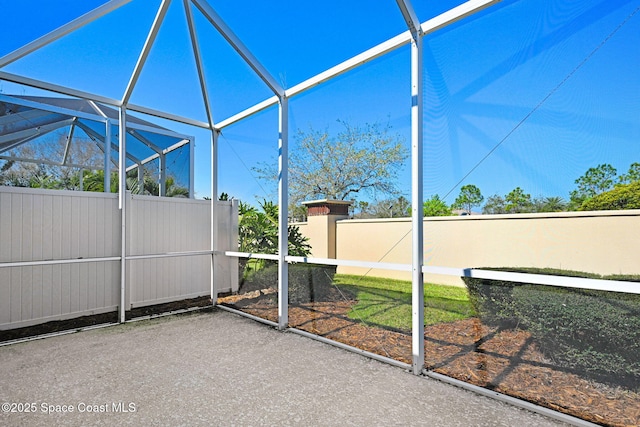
(507, 361)
(100, 319)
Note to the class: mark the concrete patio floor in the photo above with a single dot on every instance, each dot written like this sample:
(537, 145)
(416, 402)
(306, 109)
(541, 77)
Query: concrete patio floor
(216, 368)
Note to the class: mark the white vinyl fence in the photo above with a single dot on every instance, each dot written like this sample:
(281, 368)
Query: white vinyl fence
(170, 225)
(60, 253)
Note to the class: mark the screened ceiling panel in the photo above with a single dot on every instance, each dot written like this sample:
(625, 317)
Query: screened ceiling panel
(72, 133)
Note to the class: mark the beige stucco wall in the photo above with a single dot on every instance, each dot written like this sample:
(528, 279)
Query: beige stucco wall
(321, 231)
(603, 242)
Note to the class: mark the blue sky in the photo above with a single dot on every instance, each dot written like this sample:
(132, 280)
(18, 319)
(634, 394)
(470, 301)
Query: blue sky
(553, 84)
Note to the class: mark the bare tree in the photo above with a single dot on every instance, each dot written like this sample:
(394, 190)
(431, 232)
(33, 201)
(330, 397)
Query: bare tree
(359, 159)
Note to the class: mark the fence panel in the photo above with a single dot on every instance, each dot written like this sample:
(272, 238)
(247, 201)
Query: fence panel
(40, 225)
(166, 225)
(43, 226)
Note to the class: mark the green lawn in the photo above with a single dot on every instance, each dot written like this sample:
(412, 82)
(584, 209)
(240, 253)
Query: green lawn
(387, 302)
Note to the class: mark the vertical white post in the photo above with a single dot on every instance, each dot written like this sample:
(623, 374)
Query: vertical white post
(122, 181)
(192, 158)
(283, 203)
(140, 179)
(67, 146)
(214, 211)
(162, 176)
(417, 288)
(107, 156)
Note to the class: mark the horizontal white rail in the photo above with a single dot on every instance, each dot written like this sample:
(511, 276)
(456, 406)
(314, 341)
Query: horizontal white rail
(168, 255)
(57, 261)
(537, 279)
(550, 280)
(103, 259)
(350, 263)
(252, 256)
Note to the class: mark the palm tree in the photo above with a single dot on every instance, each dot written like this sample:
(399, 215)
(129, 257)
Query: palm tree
(173, 190)
(554, 204)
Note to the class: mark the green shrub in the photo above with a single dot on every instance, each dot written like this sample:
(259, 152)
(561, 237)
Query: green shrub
(307, 282)
(492, 299)
(623, 196)
(258, 274)
(594, 332)
(310, 282)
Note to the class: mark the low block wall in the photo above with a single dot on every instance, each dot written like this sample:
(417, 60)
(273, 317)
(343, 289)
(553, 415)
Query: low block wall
(603, 242)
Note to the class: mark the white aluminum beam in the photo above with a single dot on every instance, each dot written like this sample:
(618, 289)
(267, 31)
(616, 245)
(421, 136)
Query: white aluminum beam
(93, 134)
(24, 115)
(198, 58)
(151, 37)
(39, 84)
(165, 151)
(67, 146)
(140, 178)
(56, 262)
(33, 133)
(178, 145)
(122, 202)
(18, 143)
(162, 176)
(249, 255)
(214, 212)
(427, 27)
(343, 262)
(537, 279)
(51, 87)
(168, 116)
(41, 106)
(366, 56)
(283, 208)
(457, 13)
(99, 117)
(107, 157)
(248, 112)
(396, 42)
(192, 164)
(417, 223)
(168, 255)
(144, 140)
(238, 46)
(143, 162)
(156, 130)
(540, 279)
(410, 17)
(97, 109)
(400, 40)
(62, 31)
(49, 162)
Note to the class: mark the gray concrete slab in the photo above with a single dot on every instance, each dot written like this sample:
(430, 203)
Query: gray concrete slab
(217, 368)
